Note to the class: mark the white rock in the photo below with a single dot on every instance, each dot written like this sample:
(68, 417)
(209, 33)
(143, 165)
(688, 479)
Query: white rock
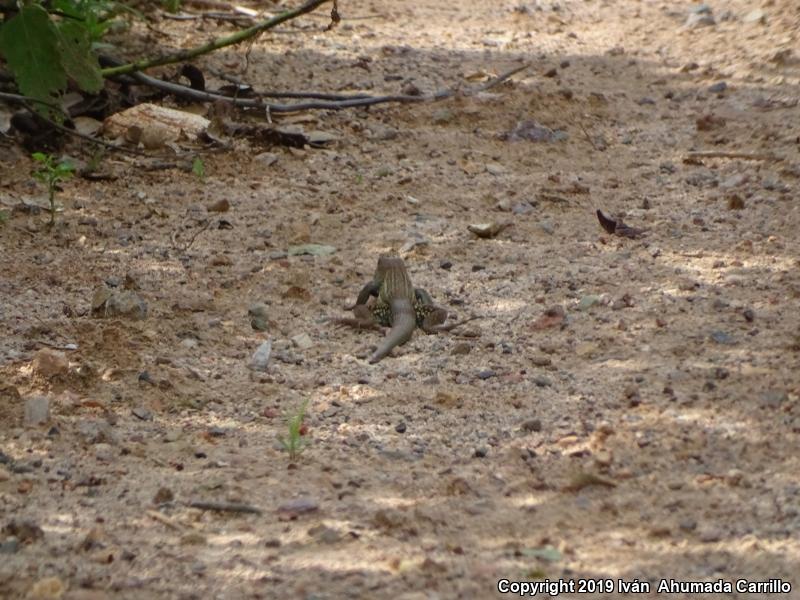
(37, 411)
(302, 341)
(260, 358)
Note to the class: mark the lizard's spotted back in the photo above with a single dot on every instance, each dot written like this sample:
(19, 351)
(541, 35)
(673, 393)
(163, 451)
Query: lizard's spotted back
(398, 304)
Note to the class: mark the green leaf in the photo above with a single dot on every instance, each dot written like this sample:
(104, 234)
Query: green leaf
(198, 168)
(29, 43)
(69, 8)
(41, 157)
(80, 64)
(63, 171)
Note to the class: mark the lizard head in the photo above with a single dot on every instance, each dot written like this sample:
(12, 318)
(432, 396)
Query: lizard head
(387, 263)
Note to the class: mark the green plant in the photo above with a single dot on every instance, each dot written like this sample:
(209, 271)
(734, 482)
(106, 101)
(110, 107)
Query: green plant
(94, 15)
(172, 6)
(3, 217)
(294, 443)
(199, 168)
(44, 53)
(51, 173)
(95, 159)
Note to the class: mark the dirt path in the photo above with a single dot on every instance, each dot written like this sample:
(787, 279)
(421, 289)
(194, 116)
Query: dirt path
(652, 432)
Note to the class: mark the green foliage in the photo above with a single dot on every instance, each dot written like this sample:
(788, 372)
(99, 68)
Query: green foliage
(30, 46)
(44, 54)
(3, 217)
(294, 443)
(199, 168)
(172, 6)
(77, 58)
(95, 159)
(51, 173)
(92, 15)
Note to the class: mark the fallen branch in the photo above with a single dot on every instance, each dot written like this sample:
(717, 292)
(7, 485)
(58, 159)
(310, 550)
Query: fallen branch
(187, 245)
(699, 155)
(589, 138)
(214, 16)
(215, 44)
(234, 507)
(157, 516)
(209, 4)
(27, 99)
(354, 101)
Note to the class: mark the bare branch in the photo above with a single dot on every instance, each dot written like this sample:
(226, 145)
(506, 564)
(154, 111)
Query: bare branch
(345, 102)
(215, 44)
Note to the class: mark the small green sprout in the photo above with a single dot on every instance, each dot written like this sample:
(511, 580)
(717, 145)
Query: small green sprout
(51, 173)
(199, 168)
(95, 160)
(294, 443)
(172, 6)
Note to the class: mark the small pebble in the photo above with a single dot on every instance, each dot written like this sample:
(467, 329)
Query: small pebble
(717, 88)
(532, 425)
(542, 381)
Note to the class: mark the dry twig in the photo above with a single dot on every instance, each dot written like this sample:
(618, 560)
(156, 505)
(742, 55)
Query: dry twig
(347, 102)
(157, 516)
(187, 245)
(701, 154)
(234, 507)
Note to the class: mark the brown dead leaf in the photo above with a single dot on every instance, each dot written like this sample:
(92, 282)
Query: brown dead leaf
(583, 479)
(552, 317)
(470, 167)
(709, 122)
(220, 206)
(298, 293)
(735, 202)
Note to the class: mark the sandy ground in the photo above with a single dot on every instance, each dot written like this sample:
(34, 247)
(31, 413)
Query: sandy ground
(651, 432)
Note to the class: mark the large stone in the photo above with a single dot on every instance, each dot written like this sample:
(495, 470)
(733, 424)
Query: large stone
(107, 303)
(260, 359)
(49, 363)
(37, 411)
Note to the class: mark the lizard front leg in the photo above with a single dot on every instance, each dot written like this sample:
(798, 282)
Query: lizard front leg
(362, 318)
(370, 289)
(430, 317)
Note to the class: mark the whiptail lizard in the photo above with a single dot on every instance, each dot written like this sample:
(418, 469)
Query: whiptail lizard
(398, 305)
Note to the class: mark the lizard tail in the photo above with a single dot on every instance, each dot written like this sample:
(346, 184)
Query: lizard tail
(402, 327)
